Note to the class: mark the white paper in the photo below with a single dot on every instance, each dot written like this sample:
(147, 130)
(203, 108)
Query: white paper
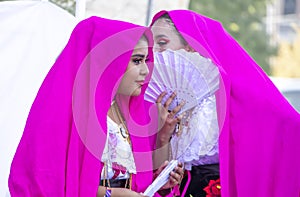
(162, 179)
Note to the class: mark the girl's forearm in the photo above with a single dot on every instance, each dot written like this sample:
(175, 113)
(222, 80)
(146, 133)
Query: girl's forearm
(160, 155)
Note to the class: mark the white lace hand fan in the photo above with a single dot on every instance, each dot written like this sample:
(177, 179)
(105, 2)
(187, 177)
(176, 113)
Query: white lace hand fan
(190, 75)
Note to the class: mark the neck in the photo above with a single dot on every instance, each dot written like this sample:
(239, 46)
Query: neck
(122, 103)
(114, 113)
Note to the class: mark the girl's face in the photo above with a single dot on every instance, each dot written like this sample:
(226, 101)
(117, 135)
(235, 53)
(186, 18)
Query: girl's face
(165, 36)
(137, 70)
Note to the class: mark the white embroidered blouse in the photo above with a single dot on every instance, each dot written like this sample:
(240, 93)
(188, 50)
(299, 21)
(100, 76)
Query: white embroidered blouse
(197, 144)
(118, 151)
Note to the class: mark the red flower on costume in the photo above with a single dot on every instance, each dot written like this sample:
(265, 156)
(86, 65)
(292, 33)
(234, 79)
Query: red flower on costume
(213, 189)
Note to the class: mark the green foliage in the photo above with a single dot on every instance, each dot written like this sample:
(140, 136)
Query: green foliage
(68, 5)
(244, 20)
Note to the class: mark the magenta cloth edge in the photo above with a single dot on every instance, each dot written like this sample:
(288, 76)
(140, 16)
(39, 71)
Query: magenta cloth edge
(259, 151)
(56, 155)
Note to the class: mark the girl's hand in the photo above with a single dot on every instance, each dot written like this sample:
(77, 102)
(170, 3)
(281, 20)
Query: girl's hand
(175, 176)
(167, 120)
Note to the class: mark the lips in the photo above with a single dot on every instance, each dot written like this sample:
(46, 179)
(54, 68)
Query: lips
(141, 83)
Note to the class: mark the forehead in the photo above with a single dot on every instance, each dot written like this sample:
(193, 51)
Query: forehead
(161, 26)
(142, 45)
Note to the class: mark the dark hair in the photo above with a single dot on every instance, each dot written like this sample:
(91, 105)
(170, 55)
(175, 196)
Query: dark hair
(144, 37)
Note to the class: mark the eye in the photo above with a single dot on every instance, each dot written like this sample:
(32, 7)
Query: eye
(162, 42)
(137, 61)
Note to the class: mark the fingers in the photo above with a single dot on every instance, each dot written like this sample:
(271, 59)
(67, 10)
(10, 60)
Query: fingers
(179, 171)
(180, 165)
(175, 178)
(160, 97)
(175, 111)
(177, 174)
(168, 119)
(169, 100)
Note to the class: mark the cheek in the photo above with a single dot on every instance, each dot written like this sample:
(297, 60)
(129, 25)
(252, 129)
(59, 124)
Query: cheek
(124, 87)
(130, 76)
(128, 85)
(133, 72)
(157, 48)
(176, 45)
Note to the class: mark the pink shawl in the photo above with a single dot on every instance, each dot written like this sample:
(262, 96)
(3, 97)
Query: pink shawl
(259, 140)
(60, 150)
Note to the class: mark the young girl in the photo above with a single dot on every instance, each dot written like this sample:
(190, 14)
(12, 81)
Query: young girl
(259, 130)
(87, 131)
(196, 142)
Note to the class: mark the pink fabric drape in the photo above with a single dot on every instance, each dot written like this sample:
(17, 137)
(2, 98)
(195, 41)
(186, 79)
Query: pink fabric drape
(60, 150)
(259, 151)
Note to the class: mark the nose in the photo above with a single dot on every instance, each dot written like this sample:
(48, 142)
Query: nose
(156, 48)
(144, 69)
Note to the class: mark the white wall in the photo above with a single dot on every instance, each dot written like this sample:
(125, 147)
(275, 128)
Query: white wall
(134, 11)
(32, 35)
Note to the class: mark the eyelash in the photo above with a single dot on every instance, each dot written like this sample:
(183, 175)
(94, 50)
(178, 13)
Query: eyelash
(162, 42)
(137, 61)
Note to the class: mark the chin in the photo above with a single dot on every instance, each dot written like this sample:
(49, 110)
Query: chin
(136, 92)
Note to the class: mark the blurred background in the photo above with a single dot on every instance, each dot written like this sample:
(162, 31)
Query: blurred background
(269, 30)
(34, 32)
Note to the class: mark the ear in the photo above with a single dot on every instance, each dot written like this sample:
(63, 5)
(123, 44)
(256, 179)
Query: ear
(189, 48)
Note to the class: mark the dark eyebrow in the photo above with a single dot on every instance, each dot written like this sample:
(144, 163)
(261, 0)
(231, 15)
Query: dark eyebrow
(138, 55)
